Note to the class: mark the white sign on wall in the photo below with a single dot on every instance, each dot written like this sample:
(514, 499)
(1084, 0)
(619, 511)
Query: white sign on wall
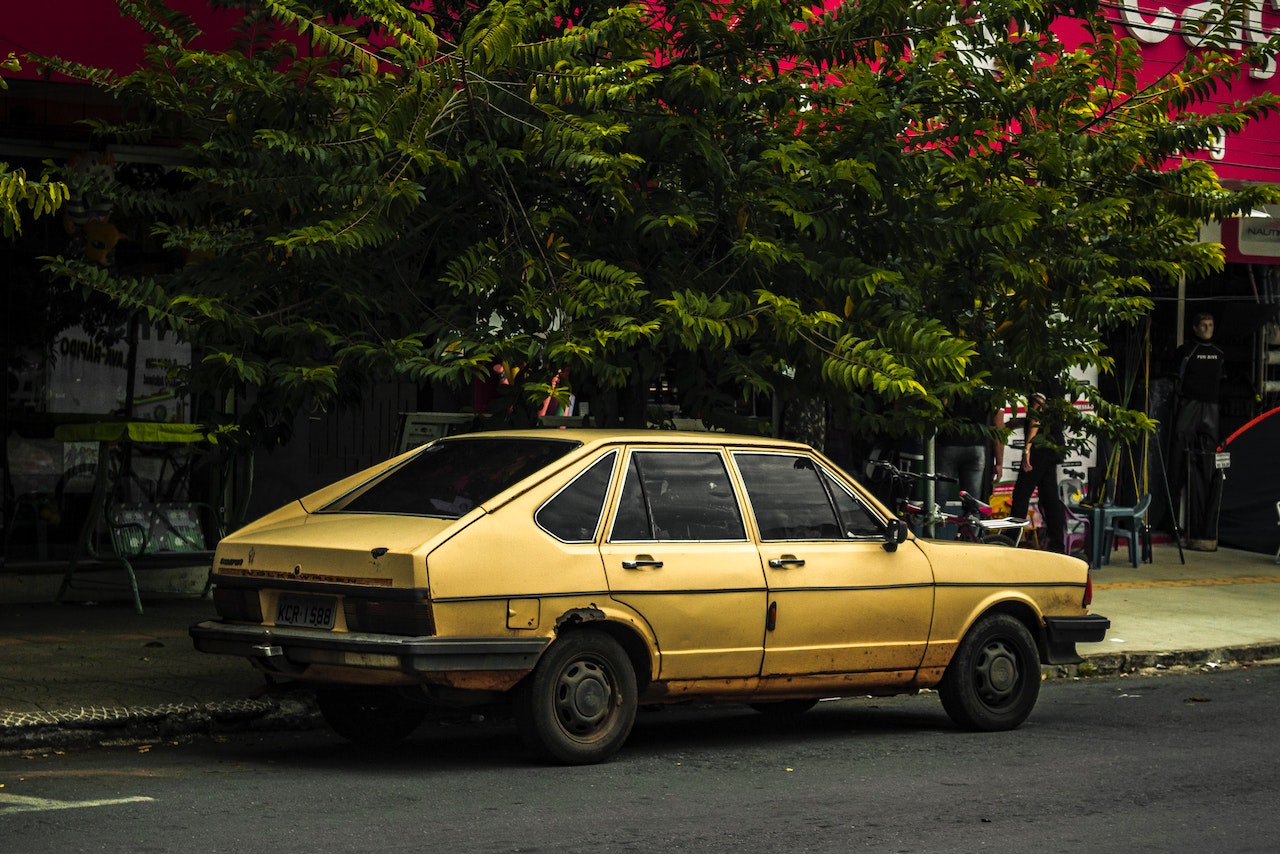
(91, 378)
(1260, 236)
(1074, 461)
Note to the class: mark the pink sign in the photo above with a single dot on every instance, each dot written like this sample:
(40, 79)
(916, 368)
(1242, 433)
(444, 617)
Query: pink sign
(1167, 30)
(95, 34)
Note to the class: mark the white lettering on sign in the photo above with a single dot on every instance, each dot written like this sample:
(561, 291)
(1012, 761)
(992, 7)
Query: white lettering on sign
(1199, 20)
(1148, 31)
(1218, 148)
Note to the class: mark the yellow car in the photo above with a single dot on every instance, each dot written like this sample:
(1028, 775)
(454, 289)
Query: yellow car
(578, 574)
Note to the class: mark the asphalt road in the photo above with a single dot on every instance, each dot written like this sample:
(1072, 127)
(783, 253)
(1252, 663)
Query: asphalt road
(1142, 763)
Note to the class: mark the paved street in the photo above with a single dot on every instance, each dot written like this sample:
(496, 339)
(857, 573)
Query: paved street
(1141, 763)
(77, 674)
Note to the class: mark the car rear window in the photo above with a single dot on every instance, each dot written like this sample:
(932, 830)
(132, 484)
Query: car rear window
(449, 478)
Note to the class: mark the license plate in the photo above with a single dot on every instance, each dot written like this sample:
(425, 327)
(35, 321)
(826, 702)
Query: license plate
(313, 612)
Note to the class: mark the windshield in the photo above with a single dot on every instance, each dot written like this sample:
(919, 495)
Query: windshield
(448, 478)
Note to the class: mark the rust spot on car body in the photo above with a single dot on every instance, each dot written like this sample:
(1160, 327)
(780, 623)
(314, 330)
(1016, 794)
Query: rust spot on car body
(476, 680)
(579, 615)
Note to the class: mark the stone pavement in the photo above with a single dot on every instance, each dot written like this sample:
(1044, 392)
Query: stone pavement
(79, 674)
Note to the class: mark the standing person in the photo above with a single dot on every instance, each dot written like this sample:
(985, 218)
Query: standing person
(960, 449)
(1038, 472)
(1200, 364)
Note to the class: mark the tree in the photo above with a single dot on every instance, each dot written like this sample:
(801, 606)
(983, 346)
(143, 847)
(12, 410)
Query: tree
(17, 192)
(880, 204)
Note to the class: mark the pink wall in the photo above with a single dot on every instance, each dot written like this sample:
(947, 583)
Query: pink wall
(1160, 27)
(93, 32)
(88, 31)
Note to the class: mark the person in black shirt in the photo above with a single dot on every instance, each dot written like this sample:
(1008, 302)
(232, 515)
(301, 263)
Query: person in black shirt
(1199, 364)
(1041, 455)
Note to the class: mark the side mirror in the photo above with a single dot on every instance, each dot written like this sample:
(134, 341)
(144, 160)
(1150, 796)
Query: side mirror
(896, 533)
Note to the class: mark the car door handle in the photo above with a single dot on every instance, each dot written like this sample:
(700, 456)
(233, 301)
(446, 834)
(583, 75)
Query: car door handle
(642, 562)
(785, 561)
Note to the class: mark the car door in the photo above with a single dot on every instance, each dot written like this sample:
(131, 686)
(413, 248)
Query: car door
(838, 601)
(677, 552)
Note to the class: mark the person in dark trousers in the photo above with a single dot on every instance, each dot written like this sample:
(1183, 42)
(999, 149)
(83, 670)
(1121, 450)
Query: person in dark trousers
(1038, 472)
(961, 448)
(1200, 364)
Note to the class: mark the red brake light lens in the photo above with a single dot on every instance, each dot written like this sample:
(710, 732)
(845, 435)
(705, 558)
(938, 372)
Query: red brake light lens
(237, 605)
(387, 617)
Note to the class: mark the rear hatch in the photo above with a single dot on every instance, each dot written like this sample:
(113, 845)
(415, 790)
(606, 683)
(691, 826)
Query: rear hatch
(333, 571)
(333, 548)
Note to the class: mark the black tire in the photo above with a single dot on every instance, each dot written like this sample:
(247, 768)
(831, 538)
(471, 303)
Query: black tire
(998, 540)
(993, 680)
(579, 704)
(370, 716)
(784, 708)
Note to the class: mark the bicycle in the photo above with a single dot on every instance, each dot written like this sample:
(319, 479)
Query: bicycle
(974, 522)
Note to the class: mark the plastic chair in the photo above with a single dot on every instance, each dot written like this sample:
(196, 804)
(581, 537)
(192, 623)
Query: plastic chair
(1120, 521)
(1071, 491)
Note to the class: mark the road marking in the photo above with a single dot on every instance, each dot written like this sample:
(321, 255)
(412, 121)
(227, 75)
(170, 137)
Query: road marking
(18, 803)
(1187, 582)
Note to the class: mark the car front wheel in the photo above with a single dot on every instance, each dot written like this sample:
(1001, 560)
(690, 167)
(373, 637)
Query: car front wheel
(578, 705)
(994, 679)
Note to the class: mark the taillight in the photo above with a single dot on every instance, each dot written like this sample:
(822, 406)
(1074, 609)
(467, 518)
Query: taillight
(239, 605)
(386, 617)
(1088, 590)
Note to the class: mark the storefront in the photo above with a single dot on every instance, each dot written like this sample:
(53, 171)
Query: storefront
(73, 362)
(1243, 298)
(109, 365)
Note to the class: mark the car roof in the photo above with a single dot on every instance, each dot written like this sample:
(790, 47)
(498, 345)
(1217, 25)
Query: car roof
(610, 436)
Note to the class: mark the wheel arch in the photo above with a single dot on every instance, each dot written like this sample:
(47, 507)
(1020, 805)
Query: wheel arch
(1026, 614)
(629, 636)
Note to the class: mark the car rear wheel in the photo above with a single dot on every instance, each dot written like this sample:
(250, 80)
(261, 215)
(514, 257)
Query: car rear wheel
(993, 680)
(578, 705)
(368, 715)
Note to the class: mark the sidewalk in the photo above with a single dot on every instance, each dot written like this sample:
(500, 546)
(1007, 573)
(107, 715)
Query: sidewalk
(80, 674)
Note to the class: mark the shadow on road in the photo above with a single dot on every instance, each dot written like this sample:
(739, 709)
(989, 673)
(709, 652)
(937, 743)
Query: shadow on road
(480, 742)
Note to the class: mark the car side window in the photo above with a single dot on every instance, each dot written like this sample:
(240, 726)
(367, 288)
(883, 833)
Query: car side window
(855, 519)
(677, 495)
(573, 514)
(792, 498)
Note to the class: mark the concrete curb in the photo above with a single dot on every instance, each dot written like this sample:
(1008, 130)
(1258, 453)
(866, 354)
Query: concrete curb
(1123, 663)
(95, 726)
(296, 710)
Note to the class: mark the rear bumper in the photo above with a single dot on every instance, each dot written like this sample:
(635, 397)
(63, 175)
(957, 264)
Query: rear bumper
(291, 650)
(1063, 633)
